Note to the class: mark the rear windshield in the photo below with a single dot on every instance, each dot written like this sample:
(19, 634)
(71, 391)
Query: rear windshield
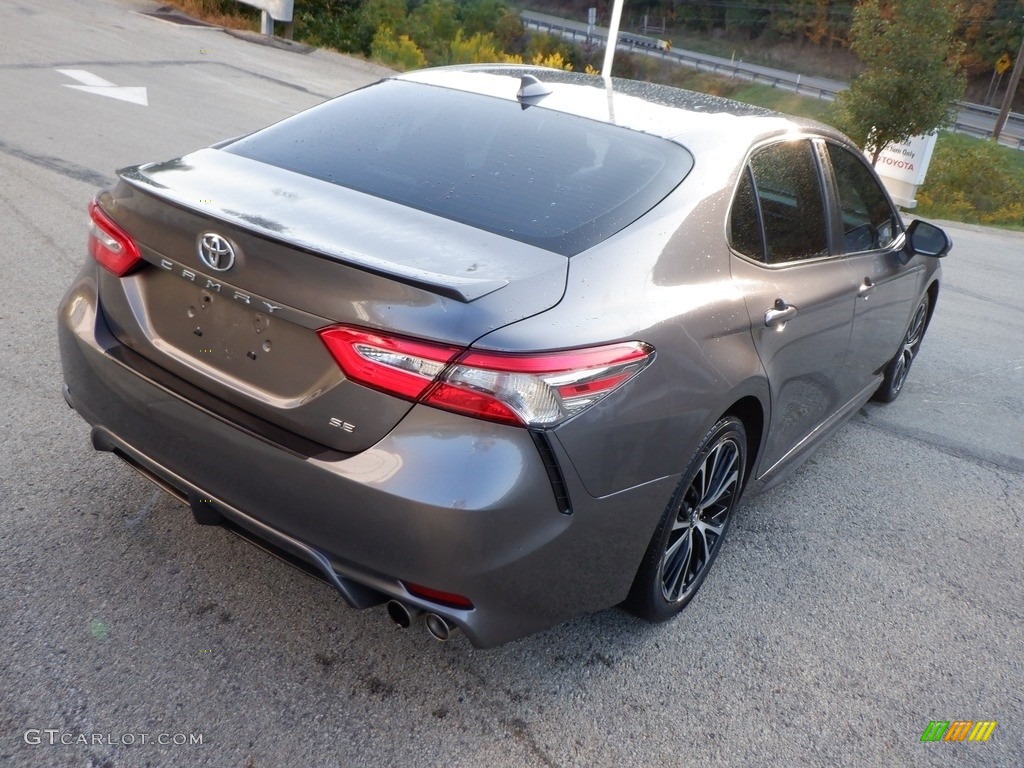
(557, 181)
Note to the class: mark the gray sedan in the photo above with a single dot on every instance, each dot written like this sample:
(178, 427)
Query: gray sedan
(495, 346)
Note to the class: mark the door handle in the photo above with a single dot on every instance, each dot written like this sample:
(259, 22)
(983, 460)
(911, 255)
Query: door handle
(780, 314)
(866, 288)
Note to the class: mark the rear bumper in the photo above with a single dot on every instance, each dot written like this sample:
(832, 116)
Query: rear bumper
(445, 501)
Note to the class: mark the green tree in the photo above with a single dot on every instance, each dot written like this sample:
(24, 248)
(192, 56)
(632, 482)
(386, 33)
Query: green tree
(989, 29)
(821, 22)
(433, 26)
(328, 23)
(510, 32)
(910, 52)
(375, 14)
(480, 16)
(744, 21)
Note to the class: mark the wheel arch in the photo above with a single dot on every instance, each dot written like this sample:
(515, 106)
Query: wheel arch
(751, 412)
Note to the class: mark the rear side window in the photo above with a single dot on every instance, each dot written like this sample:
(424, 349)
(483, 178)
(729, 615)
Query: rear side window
(561, 182)
(745, 222)
(869, 221)
(779, 198)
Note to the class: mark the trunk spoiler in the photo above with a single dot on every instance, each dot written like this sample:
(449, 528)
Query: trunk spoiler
(410, 246)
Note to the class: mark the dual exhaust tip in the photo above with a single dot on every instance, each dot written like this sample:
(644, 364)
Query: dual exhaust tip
(438, 626)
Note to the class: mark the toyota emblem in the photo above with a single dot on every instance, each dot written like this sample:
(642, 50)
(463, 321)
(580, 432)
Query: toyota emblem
(216, 252)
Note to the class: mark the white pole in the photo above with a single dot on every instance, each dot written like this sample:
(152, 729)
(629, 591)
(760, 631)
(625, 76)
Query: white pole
(613, 39)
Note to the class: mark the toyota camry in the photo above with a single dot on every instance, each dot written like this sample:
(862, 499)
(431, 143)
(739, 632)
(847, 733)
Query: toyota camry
(495, 346)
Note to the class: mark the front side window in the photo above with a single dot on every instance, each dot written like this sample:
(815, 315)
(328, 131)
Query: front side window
(869, 222)
(778, 214)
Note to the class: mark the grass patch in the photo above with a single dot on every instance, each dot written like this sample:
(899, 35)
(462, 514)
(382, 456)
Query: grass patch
(223, 13)
(784, 101)
(975, 181)
(758, 94)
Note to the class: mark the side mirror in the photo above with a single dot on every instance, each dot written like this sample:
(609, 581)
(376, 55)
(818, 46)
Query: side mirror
(924, 239)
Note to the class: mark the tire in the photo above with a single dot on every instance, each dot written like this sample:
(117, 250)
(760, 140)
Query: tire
(693, 527)
(896, 371)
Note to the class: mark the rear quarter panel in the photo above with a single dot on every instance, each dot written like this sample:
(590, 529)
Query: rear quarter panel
(664, 281)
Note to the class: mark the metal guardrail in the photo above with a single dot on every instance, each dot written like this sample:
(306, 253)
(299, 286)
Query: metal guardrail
(752, 73)
(272, 10)
(740, 72)
(737, 70)
(981, 133)
(981, 109)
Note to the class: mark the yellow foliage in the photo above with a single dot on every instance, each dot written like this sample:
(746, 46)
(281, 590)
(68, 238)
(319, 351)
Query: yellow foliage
(478, 49)
(589, 70)
(400, 53)
(553, 60)
(1011, 213)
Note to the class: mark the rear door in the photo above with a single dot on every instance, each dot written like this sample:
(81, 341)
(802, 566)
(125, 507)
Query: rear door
(798, 294)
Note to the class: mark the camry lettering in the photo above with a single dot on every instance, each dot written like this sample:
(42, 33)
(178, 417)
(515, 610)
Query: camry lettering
(214, 287)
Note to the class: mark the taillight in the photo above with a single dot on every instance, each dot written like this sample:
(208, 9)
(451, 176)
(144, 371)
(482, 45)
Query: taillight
(537, 390)
(392, 364)
(531, 390)
(111, 246)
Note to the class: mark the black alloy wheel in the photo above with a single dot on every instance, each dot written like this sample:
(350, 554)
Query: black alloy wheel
(898, 368)
(692, 530)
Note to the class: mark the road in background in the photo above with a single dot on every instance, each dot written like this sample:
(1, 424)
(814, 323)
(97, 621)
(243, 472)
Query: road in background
(877, 590)
(972, 119)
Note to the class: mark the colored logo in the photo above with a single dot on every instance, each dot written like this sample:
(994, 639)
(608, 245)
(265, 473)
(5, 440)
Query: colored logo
(958, 730)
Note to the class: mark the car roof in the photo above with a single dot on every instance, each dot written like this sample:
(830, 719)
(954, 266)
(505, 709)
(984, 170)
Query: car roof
(698, 121)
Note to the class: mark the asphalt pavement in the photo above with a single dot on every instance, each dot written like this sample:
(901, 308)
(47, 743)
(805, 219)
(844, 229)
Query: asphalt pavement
(877, 590)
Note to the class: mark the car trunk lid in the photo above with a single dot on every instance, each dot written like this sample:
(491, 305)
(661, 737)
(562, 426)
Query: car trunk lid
(307, 254)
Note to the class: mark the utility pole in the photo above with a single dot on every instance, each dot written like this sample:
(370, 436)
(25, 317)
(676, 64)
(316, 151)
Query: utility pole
(1011, 90)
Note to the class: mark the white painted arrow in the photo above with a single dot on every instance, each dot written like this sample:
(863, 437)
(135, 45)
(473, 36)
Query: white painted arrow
(91, 83)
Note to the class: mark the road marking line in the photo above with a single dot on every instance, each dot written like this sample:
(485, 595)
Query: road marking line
(87, 78)
(95, 84)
